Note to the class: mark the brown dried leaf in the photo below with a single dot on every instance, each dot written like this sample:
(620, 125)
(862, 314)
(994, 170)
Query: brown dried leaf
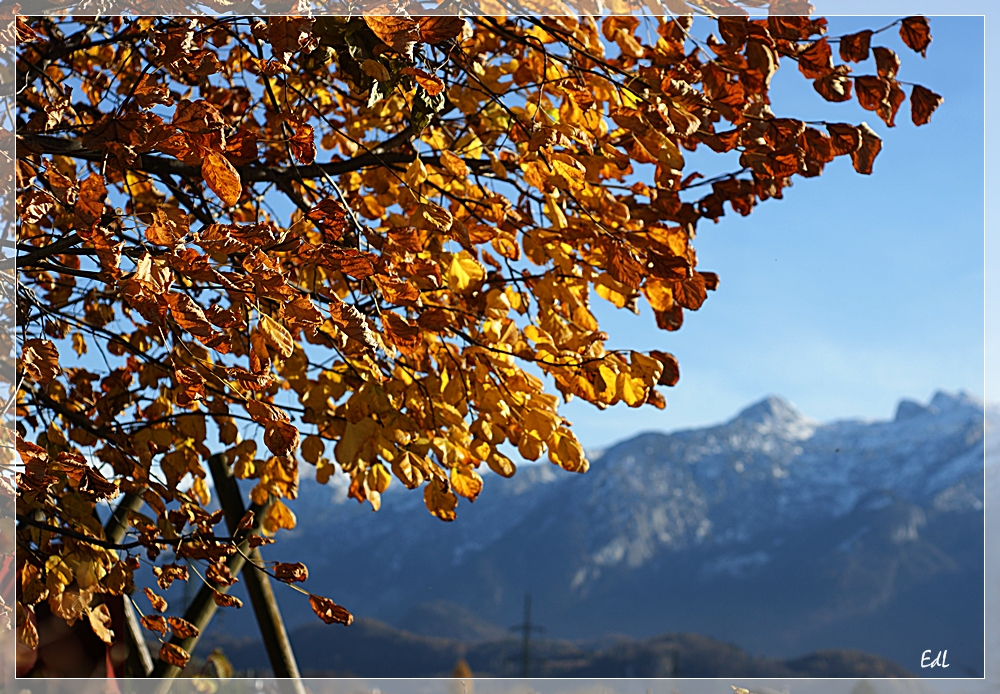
(227, 600)
(923, 102)
(353, 323)
(886, 62)
(816, 61)
(854, 47)
(329, 611)
(154, 623)
(398, 32)
(174, 655)
(40, 360)
(182, 628)
(440, 28)
(864, 157)
(291, 573)
(916, 33)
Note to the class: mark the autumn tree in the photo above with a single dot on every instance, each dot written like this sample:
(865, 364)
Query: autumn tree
(367, 245)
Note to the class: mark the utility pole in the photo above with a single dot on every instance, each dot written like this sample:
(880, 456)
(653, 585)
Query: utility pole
(526, 628)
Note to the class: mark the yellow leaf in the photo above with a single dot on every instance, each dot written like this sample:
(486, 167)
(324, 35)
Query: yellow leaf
(222, 178)
(466, 481)
(553, 210)
(79, 344)
(540, 423)
(660, 296)
(611, 290)
(630, 390)
(439, 500)
(277, 336)
(566, 452)
(100, 623)
(501, 465)
(431, 217)
(499, 170)
(529, 446)
(607, 384)
(278, 517)
(378, 478)
(648, 369)
(407, 471)
(200, 490)
(416, 173)
(454, 164)
(465, 271)
(568, 172)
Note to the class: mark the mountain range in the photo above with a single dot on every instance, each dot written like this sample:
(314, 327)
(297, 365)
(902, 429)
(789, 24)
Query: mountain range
(772, 532)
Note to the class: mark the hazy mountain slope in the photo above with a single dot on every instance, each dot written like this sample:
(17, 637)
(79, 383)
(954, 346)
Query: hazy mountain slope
(772, 531)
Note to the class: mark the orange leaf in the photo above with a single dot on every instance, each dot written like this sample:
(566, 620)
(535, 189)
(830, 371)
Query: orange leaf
(277, 335)
(466, 481)
(886, 62)
(330, 217)
(431, 84)
(100, 623)
(222, 178)
(402, 333)
(158, 603)
(872, 91)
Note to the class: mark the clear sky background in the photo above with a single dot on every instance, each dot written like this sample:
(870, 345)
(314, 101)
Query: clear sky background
(852, 292)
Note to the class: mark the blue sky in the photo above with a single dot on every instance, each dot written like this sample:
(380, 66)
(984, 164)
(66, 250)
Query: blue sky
(852, 292)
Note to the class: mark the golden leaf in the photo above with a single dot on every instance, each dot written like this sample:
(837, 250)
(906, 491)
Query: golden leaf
(466, 481)
(100, 623)
(439, 500)
(278, 517)
(464, 272)
(222, 178)
(277, 336)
